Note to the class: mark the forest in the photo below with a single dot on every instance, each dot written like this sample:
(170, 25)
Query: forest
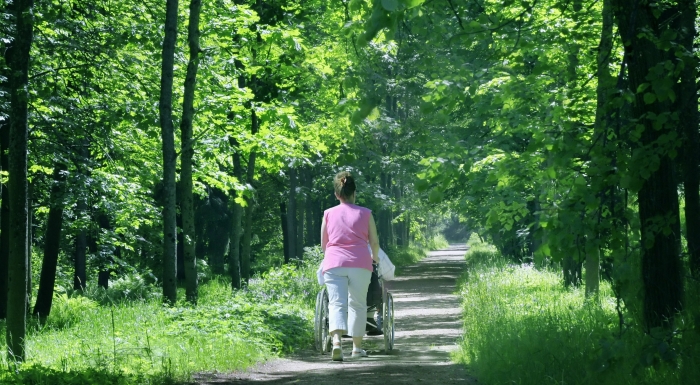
(165, 166)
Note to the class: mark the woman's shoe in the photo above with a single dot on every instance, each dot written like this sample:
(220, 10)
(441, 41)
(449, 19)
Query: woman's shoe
(337, 353)
(359, 353)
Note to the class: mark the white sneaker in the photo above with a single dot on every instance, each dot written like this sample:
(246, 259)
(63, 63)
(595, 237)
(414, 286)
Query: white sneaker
(337, 353)
(359, 353)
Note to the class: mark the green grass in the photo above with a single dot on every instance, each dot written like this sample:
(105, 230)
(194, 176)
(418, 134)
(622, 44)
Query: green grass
(521, 326)
(144, 342)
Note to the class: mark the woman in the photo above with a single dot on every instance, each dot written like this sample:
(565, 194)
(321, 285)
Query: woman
(347, 265)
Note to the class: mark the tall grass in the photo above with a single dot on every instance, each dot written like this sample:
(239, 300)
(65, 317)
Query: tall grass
(521, 326)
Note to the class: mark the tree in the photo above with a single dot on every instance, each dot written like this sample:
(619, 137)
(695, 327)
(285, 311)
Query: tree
(17, 58)
(651, 73)
(187, 144)
(44, 297)
(167, 135)
(234, 248)
(688, 118)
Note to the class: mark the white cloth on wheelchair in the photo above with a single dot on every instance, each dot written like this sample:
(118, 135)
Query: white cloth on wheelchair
(319, 274)
(386, 269)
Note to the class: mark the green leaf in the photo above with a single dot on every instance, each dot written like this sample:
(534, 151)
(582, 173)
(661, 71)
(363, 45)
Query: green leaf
(649, 98)
(642, 87)
(412, 3)
(390, 5)
(435, 196)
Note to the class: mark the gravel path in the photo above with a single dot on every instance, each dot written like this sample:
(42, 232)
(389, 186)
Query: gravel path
(427, 324)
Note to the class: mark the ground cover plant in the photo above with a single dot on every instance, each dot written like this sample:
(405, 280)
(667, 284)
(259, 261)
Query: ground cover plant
(522, 326)
(117, 337)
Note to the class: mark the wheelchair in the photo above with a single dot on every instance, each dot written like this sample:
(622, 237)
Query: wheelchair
(378, 298)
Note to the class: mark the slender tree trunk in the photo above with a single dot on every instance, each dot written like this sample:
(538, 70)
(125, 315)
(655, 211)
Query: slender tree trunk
(187, 151)
(300, 229)
(592, 269)
(4, 221)
(292, 212)
(382, 214)
(688, 106)
(308, 207)
(391, 240)
(285, 232)
(30, 240)
(167, 133)
(658, 197)
(234, 248)
(52, 243)
(17, 58)
(80, 271)
(605, 82)
(318, 217)
(572, 271)
(248, 230)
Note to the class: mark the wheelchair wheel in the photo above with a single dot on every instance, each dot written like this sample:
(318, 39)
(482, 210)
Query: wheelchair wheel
(388, 325)
(322, 336)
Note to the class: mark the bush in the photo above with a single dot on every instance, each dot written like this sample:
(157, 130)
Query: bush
(68, 311)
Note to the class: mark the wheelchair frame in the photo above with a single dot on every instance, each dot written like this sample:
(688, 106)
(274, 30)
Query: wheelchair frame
(322, 337)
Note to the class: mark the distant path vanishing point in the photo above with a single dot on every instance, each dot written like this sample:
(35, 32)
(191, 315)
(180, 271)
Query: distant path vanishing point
(428, 326)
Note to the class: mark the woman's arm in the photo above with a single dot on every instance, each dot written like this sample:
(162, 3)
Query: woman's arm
(324, 234)
(373, 239)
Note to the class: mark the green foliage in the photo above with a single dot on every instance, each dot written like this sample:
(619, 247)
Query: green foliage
(522, 326)
(68, 311)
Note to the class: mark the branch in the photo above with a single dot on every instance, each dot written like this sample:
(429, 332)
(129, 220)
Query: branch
(459, 20)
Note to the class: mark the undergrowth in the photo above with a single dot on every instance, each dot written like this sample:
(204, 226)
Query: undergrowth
(521, 326)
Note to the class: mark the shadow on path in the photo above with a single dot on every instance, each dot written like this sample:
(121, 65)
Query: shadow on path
(427, 325)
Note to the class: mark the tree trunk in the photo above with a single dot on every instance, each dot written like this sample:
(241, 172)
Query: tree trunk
(299, 217)
(4, 220)
(285, 232)
(187, 151)
(52, 243)
(234, 248)
(80, 271)
(658, 197)
(688, 108)
(592, 269)
(382, 214)
(391, 240)
(291, 213)
(318, 218)
(572, 271)
(605, 82)
(308, 207)
(30, 240)
(17, 59)
(248, 229)
(167, 133)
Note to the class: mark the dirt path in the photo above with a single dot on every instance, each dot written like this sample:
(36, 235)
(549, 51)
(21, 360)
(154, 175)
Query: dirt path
(427, 325)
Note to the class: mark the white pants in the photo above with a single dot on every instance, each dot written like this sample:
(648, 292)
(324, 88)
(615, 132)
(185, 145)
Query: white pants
(347, 299)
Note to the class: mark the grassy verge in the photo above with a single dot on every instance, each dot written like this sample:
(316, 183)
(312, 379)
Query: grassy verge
(84, 341)
(523, 327)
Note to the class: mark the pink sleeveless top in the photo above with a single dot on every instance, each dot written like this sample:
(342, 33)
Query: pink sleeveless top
(347, 226)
